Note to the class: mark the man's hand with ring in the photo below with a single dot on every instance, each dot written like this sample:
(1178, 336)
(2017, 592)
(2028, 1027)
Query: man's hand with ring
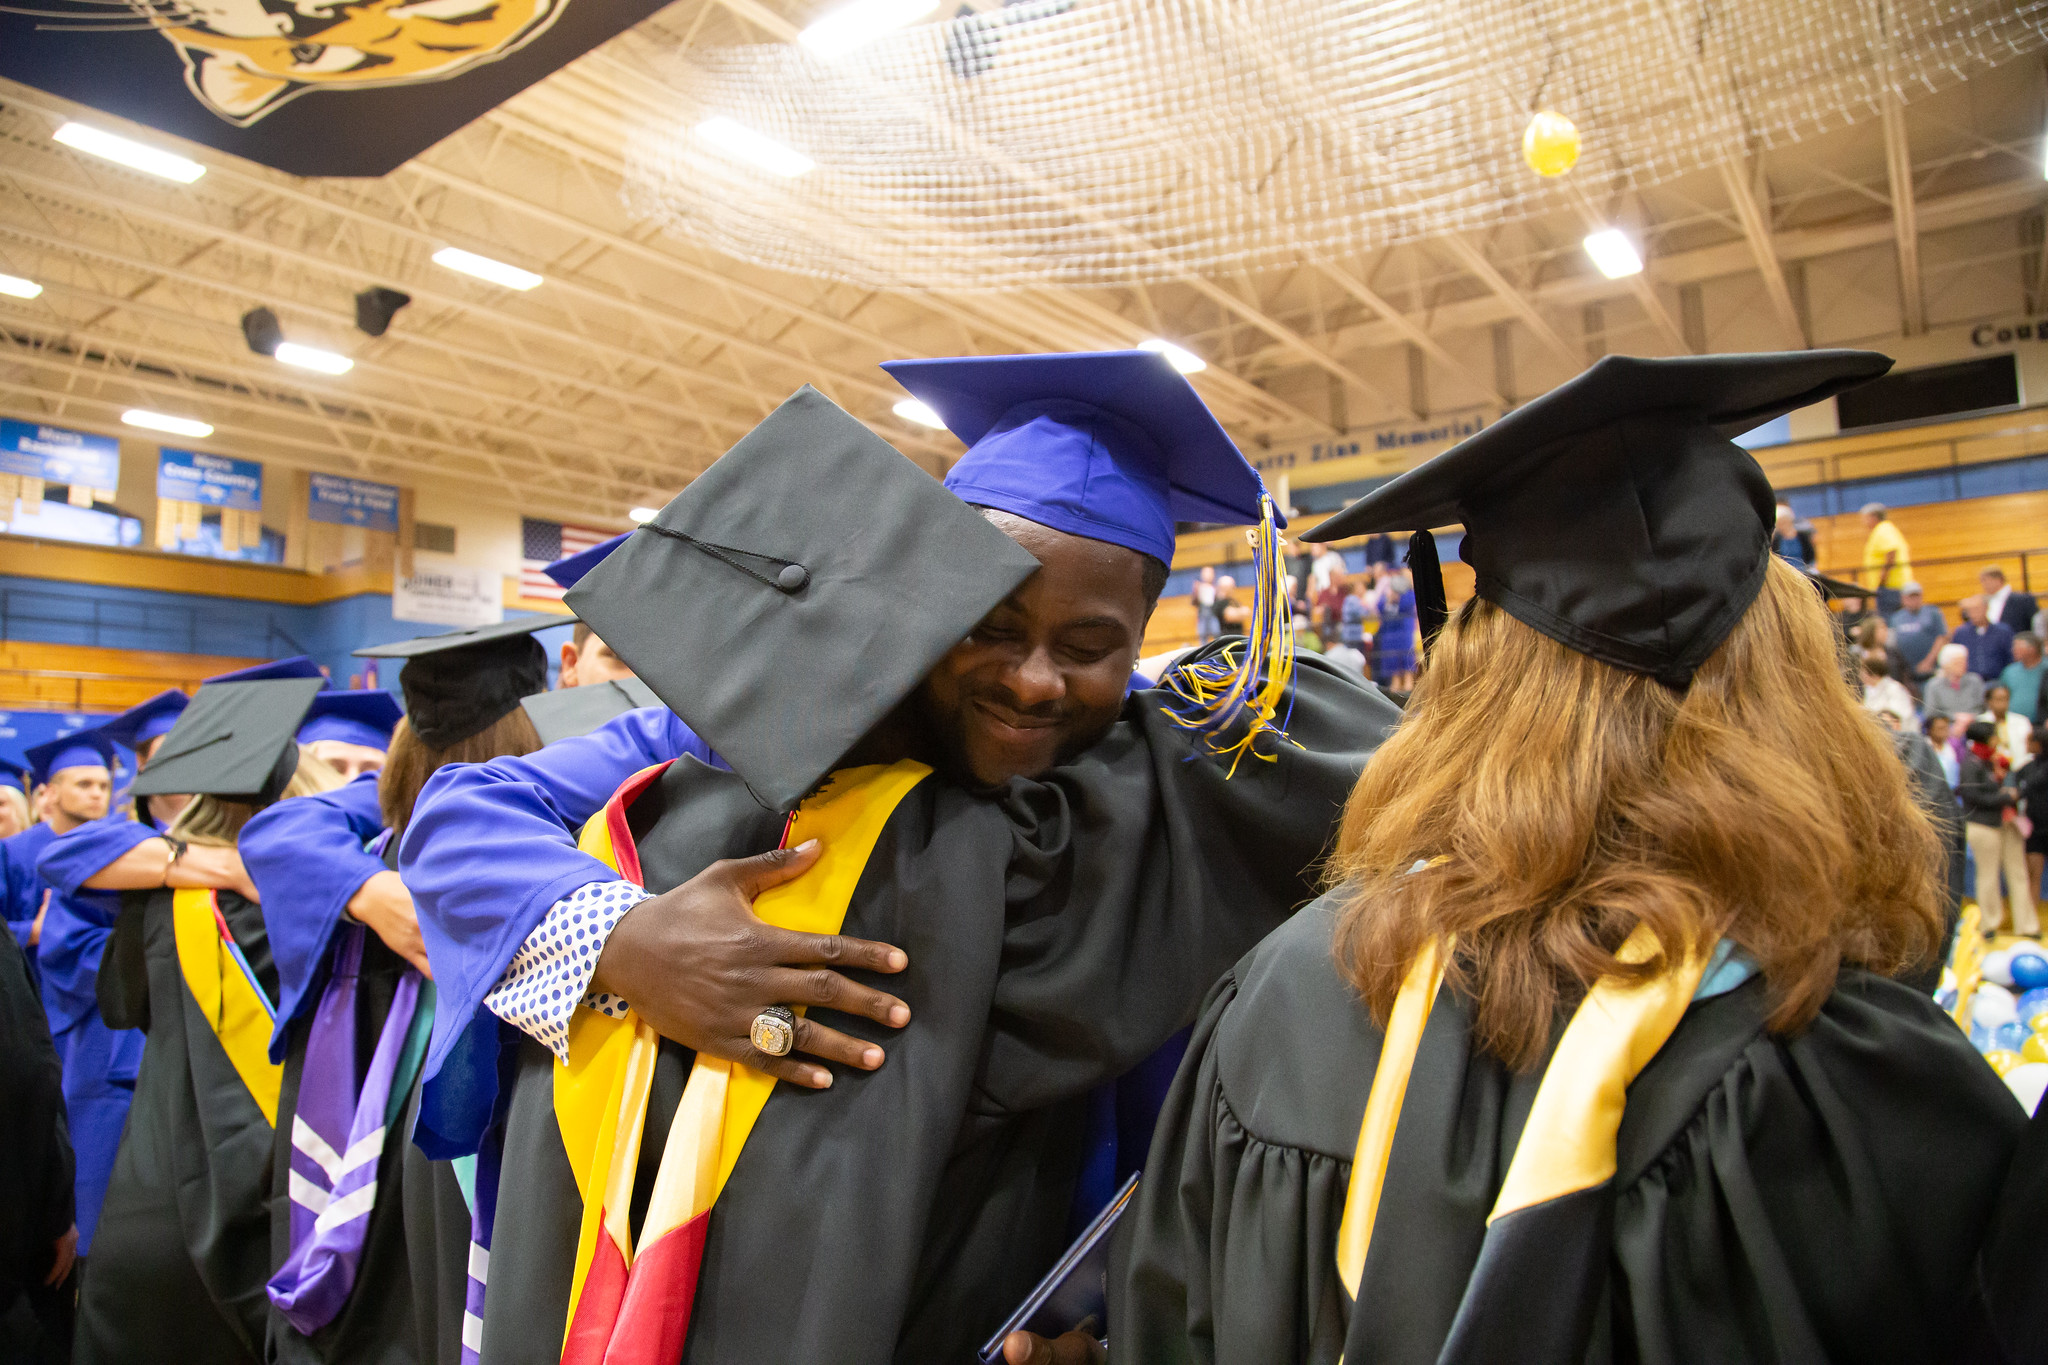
(700, 966)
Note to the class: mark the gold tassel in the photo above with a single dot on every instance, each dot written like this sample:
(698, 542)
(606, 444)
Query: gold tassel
(1243, 688)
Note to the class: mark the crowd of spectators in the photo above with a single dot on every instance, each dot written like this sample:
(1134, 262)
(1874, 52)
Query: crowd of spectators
(1363, 619)
(1972, 691)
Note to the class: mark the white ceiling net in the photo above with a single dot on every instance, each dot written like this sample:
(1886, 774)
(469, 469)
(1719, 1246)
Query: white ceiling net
(1096, 142)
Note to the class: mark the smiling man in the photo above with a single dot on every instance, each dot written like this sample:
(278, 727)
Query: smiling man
(1063, 865)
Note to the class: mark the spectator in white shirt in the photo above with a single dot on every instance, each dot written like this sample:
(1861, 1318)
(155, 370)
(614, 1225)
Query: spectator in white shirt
(2014, 610)
(1882, 693)
(2014, 729)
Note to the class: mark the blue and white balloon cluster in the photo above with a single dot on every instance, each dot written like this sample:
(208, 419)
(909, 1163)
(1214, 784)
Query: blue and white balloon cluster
(2009, 1019)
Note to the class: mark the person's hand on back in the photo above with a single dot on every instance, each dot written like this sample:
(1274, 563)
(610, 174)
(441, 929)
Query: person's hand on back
(699, 965)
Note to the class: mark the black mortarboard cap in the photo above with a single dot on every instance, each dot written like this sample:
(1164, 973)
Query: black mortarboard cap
(796, 591)
(1613, 514)
(235, 740)
(462, 682)
(570, 711)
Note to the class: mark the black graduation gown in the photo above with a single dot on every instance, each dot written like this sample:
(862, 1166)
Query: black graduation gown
(182, 1255)
(36, 1191)
(407, 1301)
(1059, 931)
(1816, 1198)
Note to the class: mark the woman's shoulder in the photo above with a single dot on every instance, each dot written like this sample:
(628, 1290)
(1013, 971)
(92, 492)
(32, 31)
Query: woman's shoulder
(1294, 1047)
(1881, 1068)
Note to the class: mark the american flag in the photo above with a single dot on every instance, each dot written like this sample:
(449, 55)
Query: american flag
(541, 543)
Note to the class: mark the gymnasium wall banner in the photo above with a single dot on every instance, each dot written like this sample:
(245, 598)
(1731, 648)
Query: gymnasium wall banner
(353, 502)
(211, 505)
(60, 455)
(317, 87)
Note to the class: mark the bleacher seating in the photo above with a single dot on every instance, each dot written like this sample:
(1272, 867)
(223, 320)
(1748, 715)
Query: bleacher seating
(40, 677)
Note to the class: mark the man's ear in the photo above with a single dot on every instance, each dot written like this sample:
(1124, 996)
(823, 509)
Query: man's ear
(569, 654)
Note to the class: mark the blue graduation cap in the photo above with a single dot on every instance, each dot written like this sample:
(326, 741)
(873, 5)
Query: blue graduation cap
(1117, 446)
(86, 749)
(353, 716)
(569, 570)
(298, 666)
(1112, 445)
(13, 773)
(140, 724)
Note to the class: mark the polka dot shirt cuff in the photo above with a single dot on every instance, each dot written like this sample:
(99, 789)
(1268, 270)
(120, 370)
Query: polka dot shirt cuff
(550, 973)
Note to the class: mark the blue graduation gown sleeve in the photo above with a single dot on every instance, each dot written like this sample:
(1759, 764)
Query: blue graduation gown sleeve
(70, 859)
(490, 847)
(21, 888)
(307, 859)
(100, 1063)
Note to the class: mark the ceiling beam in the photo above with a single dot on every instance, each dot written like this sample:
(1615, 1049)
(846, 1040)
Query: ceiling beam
(550, 456)
(1410, 329)
(1640, 285)
(1721, 112)
(2000, 200)
(1898, 166)
(1518, 304)
(649, 404)
(1022, 318)
(877, 387)
(755, 12)
(1756, 230)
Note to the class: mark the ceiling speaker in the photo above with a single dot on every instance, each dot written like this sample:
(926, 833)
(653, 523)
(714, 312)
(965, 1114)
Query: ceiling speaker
(374, 307)
(260, 330)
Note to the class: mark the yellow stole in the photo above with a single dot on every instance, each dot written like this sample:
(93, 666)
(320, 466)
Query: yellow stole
(1568, 1143)
(227, 995)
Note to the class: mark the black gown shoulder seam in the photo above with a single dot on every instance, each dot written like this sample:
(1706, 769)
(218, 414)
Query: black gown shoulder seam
(1256, 1139)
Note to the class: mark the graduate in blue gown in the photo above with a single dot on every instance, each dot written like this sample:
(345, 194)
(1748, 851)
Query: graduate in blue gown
(99, 1063)
(349, 729)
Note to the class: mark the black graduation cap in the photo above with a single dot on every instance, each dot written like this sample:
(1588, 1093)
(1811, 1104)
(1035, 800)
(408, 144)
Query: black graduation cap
(570, 711)
(236, 739)
(796, 591)
(462, 682)
(1613, 514)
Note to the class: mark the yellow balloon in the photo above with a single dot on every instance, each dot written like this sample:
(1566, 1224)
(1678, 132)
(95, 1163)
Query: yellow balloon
(2035, 1049)
(2038, 1021)
(2003, 1060)
(1551, 143)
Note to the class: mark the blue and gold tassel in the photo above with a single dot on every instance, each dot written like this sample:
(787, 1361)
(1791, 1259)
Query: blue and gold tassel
(1234, 696)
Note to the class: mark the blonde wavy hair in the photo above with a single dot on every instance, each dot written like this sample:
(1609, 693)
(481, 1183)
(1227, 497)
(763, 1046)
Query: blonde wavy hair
(217, 821)
(1562, 802)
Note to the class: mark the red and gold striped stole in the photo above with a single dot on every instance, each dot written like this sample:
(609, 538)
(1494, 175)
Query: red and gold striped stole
(630, 1304)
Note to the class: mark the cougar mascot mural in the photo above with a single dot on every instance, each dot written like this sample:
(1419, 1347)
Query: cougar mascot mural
(244, 58)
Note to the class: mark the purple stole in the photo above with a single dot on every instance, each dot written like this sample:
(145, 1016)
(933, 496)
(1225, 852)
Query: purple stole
(482, 1216)
(337, 1138)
